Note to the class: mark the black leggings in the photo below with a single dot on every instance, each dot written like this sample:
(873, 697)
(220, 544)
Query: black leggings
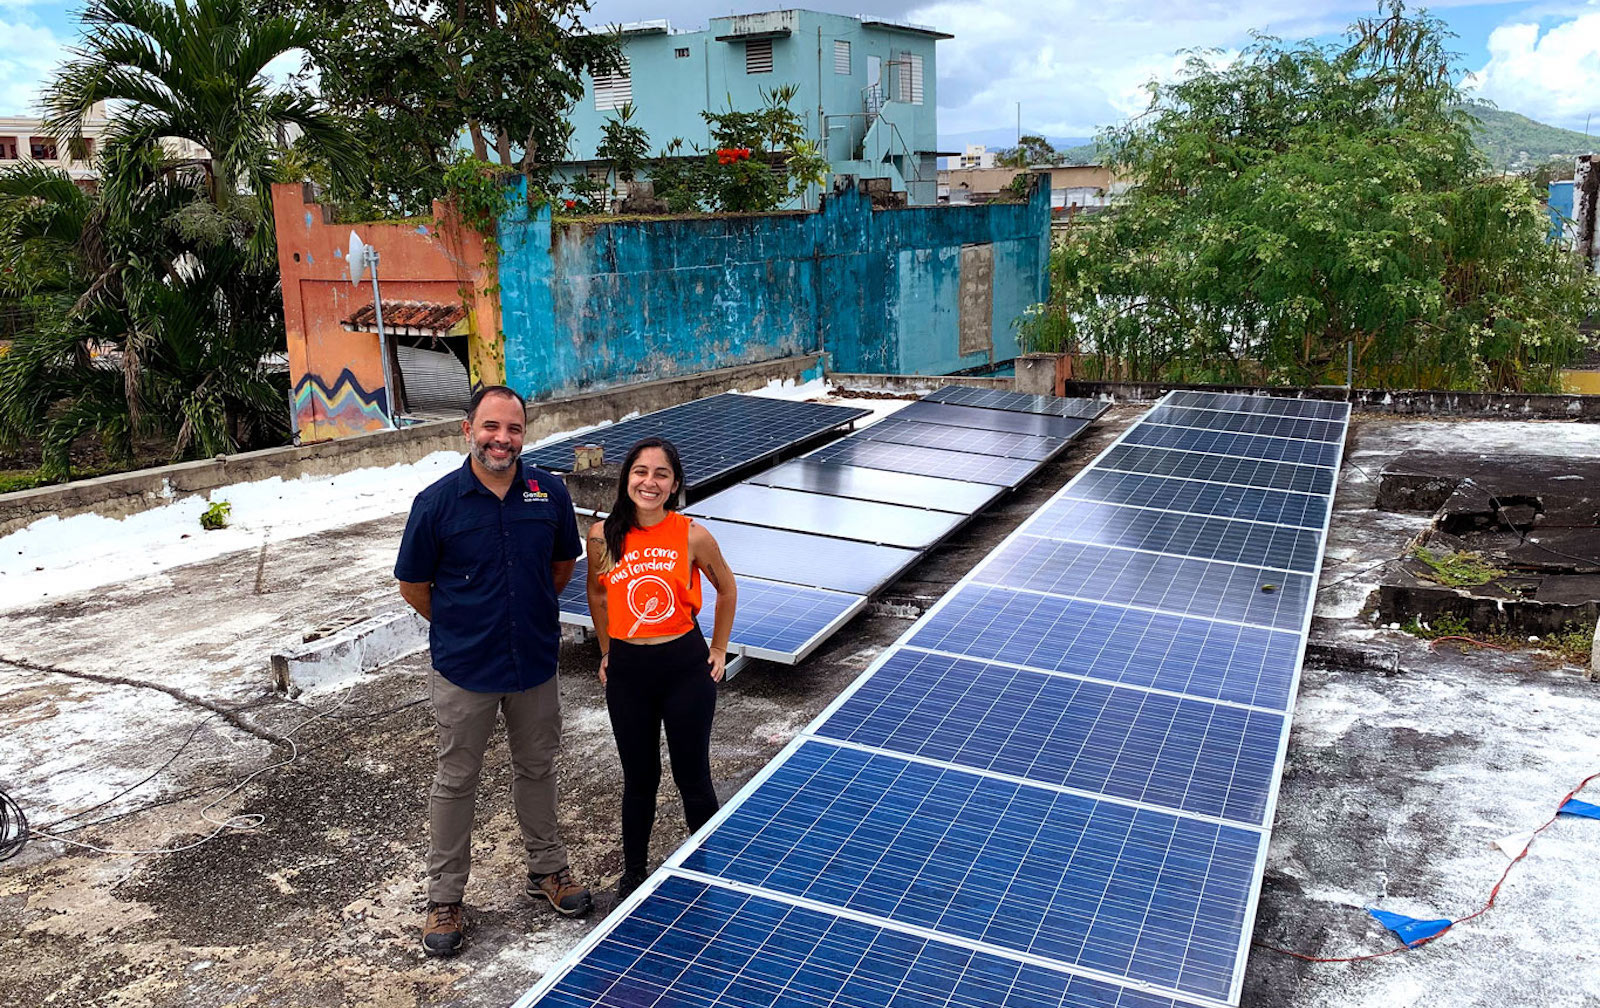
(648, 685)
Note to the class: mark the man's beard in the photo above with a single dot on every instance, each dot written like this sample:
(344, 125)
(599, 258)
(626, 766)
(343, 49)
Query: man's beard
(481, 453)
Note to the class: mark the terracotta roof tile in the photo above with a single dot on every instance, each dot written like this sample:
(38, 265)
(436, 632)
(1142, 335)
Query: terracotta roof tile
(429, 316)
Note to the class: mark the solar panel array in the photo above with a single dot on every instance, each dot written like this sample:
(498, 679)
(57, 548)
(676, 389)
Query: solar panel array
(718, 435)
(1055, 789)
(830, 533)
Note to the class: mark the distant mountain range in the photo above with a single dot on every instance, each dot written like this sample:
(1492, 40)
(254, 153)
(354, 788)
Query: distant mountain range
(1512, 142)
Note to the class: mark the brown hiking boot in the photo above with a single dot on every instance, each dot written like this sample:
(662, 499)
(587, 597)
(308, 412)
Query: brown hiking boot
(562, 890)
(444, 930)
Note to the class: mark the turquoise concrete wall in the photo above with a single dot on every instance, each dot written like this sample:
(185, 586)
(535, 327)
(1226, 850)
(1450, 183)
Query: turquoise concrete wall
(589, 305)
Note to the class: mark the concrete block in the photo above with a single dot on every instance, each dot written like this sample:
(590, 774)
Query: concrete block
(337, 658)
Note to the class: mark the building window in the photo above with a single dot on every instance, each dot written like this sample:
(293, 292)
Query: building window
(910, 78)
(841, 56)
(8, 148)
(758, 56)
(680, 54)
(613, 90)
(42, 148)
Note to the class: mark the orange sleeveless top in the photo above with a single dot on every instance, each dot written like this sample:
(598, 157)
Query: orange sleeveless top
(653, 591)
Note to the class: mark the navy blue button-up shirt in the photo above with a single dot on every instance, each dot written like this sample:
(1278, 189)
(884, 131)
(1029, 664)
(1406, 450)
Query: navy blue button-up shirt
(495, 624)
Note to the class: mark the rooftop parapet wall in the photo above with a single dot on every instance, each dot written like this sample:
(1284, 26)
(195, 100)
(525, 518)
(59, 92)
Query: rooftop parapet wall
(918, 290)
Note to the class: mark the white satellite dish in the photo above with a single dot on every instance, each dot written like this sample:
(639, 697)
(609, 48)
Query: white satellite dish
(359, 258)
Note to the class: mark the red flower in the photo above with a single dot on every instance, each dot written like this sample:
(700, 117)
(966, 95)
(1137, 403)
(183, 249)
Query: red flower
(571, 204)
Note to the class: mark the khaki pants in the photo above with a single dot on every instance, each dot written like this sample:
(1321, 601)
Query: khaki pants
(533, 730)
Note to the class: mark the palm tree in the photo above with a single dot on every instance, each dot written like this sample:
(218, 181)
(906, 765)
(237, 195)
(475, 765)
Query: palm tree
(196, 70)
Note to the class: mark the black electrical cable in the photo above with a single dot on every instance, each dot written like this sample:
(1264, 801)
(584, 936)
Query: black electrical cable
(13, 828)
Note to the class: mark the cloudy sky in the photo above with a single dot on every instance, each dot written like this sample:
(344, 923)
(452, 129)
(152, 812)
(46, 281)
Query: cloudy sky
(1075, 65)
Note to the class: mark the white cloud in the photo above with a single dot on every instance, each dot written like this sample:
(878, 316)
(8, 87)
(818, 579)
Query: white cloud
(27, 62)
(1552, 75)
(1079, 64)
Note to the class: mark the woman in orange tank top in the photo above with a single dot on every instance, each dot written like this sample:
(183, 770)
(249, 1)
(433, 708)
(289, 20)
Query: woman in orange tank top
(645, 564)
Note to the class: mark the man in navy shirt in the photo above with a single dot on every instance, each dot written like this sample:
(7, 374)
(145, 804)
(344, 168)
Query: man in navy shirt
(486, 552)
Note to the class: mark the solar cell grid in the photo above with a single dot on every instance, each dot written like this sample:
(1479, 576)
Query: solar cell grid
(1042, 424)
(1197, 657)
(1140, 893)
(694, 945)
(1251, 595)
(1218, 469)
(715, 435)
(1315, 409)
(1184, 754)
(1250, 423)
(862, 483)
(967, 439)
(1258, 446)
(802, 558)
(844, 517)
(968, 466)
(1174, 494)
(1017, 402)
(1207, 538)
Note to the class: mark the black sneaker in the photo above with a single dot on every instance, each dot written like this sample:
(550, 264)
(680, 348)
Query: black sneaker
(629, 881)
(563, 892)
(445, 929)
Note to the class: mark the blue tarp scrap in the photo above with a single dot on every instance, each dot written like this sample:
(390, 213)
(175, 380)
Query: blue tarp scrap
(1581, 808)
(1411, 930)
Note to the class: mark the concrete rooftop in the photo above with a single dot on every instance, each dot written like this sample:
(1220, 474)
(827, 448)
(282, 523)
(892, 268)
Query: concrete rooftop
(1404, 766)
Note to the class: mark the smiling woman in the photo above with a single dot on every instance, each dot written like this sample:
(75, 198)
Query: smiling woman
(645, 563)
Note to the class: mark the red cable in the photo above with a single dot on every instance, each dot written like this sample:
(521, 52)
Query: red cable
(1493, 895)
(1469, 640)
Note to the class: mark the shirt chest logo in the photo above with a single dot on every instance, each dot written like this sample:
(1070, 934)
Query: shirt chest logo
(533, 493)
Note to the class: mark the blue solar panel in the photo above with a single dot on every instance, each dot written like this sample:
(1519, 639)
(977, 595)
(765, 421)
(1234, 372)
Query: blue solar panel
(968, 439)
(778, 621)
(801, 558)
(1317, 409)
(1171, 493)
(694, 945)
(1144, 894)
(1207, 538)
(1172, 584)
(844, 517)
(1257, 446)
(1199, 657)
(1253, 423)
(924, 411)
(1018, 402)
(1184, 754)
(862, 483)
(1219, 469)
(969, 466)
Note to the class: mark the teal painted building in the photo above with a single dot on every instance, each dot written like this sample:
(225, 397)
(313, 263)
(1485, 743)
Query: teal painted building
(866, 89)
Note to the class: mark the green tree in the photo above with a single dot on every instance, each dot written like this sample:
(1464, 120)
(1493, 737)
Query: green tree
(1307, 197)
(196, 70)
(418, 76)
(1030, 150)
(775, 161)
(623, 144)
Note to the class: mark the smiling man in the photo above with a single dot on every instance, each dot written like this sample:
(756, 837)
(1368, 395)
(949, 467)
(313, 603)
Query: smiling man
(486, 552)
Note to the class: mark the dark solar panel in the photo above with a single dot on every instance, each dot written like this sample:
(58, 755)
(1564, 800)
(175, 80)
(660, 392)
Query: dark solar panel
(1251, 595)
(1255, 446)
(967, 439)
(1195, 656)
(1250, 423)
(862, 483)
(1018, 402)
(1148, 895)
(1041, 424)
(991, 469)
(1219, 469)
(820, 561)
(715, 436)
(1164, 493)
(1315, 409)
(1176, 752)
(844, 517)
(1186, 535)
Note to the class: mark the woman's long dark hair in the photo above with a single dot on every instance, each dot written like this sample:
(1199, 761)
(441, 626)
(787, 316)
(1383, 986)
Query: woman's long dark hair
(621, 519)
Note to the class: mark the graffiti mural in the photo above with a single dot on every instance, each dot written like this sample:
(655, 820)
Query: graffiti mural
(346, 407)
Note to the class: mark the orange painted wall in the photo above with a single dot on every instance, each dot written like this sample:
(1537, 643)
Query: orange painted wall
(338, 375)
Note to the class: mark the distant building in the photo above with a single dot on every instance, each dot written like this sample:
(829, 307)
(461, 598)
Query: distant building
(1073, 189)
(975, 156)
(23, 138)
(867, 89)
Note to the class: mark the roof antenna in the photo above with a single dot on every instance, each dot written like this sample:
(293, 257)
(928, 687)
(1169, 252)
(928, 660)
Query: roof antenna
(360, 257)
